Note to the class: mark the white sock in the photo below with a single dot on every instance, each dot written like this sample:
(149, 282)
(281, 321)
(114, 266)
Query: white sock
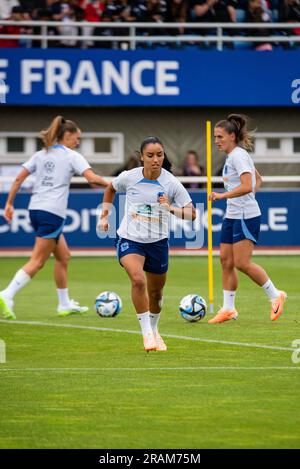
(154, 318)
(270, 290)
(63, 296)
(144, 320)
(19, 281)
(228, 299)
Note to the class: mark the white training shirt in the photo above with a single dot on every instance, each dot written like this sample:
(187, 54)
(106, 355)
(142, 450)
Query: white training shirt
(238, 162)
(145, 219)
(54, 169)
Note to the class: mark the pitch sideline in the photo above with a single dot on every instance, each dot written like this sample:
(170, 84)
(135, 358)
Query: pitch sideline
(171, 336)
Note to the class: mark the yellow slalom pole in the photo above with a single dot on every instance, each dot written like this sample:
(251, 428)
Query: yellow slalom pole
(209, 219)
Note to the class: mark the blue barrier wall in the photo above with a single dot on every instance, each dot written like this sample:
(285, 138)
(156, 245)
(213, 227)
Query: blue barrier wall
(150, 78)
(280, 221)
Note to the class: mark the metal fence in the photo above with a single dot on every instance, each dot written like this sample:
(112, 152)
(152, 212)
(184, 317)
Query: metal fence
(183, 179)
(217, 34)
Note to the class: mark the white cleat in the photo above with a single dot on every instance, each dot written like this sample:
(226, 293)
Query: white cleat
(72, 308)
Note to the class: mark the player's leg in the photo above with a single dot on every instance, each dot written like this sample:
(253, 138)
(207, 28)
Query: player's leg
(242, 252)
(62, 256)
(229, 275)
(230, 284)
(155, 285)
(134, 266)
(41, 252)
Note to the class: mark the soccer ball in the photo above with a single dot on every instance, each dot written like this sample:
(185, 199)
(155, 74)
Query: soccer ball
(108, 304)
(192, 308)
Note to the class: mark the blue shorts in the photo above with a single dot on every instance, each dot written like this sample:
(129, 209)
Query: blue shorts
(234, 231)
(46, 224)
(156, 254)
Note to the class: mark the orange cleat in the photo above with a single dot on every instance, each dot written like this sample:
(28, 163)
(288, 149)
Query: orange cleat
(160, 343)
(224, 315)
(277, 305)
(149, 342)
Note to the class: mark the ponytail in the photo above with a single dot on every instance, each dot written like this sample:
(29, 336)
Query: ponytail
(237, 124)
(56, 131)
(167, 165)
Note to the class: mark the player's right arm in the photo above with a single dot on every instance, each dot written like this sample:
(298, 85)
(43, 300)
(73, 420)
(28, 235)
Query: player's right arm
(94, 179)
(9, 206)
(108, 199)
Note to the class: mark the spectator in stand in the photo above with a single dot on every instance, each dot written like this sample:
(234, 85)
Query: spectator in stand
(78, 11)
(156, 11)
(258, 13)
(92, 12)
(17, 14)
(43, 14)
(111, 13)
(176, 13)
(67, 28)
(128, 13)
(209, 11)
(289, 12)
(113, 9)
(191, 167)
(32, 6)
(212, 11)
(6, 7)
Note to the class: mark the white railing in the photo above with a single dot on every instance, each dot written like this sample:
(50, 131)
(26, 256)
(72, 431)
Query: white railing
(183, 179)
(217, 32)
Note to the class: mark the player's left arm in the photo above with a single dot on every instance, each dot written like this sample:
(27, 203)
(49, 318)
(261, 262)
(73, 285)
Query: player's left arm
(244, 188)
(9, 206)
(187, 212)
(258, 181)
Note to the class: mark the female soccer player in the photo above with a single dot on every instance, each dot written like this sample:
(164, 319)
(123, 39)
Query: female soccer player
(241, 225)
(54, 167)
(142, 243)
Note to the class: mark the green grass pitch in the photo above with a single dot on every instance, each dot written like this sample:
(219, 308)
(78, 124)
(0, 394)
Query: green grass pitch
(79, 387)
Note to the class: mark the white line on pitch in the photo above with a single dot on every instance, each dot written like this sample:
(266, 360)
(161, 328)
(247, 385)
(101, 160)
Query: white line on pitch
(172, 336)
(183, 368)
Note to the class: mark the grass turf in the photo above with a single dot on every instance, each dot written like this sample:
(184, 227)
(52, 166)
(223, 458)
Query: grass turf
(85, 388)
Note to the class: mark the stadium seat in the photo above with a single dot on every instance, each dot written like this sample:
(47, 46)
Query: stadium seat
(243, 45)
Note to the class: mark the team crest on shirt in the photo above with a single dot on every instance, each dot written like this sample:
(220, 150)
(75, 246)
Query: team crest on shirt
(49, 167)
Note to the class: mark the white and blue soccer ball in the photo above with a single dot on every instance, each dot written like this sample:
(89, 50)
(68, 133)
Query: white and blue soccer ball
(108, 304)
(192, 308)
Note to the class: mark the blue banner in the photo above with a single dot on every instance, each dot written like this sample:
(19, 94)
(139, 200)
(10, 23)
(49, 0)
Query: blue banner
(280, 221)
(150, 78)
